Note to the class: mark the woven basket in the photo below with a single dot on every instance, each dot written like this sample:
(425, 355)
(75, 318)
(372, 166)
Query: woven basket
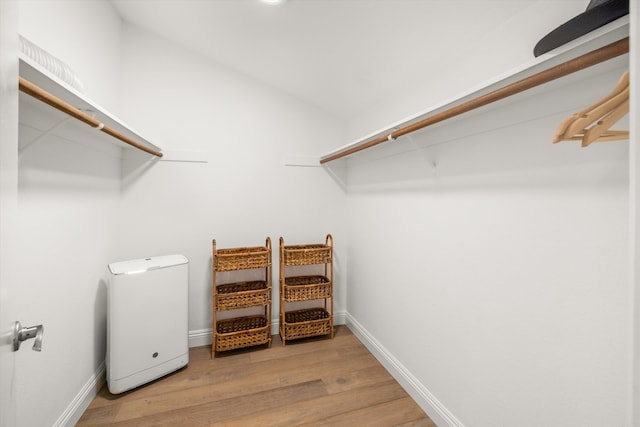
(306, 323)
(307, 254)
(242, 332)
(304, 288)
(241, 258)
(232, 296)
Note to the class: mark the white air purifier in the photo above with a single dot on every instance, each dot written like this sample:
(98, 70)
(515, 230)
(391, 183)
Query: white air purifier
(147, 320)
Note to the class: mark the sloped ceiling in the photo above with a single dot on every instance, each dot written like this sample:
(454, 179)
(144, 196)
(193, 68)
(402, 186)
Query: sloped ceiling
(340, 55)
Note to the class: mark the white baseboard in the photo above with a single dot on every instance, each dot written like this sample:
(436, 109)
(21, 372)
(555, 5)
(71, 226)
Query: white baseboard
(81, 402)
(423, 397)
(201, 337)
(339, 318)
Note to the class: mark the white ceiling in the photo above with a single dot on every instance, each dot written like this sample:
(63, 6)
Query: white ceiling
(340, 55)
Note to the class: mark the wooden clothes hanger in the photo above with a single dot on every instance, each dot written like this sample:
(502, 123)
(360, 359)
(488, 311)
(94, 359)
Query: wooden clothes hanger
(601, 115)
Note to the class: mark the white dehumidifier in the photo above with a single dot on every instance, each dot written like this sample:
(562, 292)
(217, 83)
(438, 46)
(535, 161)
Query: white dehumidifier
(147, 320)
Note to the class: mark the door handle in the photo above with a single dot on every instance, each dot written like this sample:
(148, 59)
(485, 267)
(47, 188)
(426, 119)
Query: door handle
(21, 333)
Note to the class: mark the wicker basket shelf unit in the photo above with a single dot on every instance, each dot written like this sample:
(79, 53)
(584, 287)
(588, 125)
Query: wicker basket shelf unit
(247, 330)
(306, 322)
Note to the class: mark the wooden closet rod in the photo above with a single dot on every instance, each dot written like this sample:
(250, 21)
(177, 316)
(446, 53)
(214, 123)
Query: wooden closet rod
(587, 60)
(37, 92)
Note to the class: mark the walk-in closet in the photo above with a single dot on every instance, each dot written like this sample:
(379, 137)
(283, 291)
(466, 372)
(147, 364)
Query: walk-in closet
(418, 211)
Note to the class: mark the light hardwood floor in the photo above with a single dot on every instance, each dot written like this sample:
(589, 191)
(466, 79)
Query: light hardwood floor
(316, 381)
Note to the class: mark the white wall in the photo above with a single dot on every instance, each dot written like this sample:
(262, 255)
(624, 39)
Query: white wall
(68, 205)
(68, 197)
(8, 202)
(497, 280)
(245, 193)
(506, 302)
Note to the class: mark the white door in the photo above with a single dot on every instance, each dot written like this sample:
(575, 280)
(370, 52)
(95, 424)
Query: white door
(8, 204)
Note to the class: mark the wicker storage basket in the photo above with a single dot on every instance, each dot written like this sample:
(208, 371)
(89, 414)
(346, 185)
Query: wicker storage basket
(307, 254)
(242, 332)
(307, 323)
(304, 288)
(232, 296)
(241, 258)
(249, 330)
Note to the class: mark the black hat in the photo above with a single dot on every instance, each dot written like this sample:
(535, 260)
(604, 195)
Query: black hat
(598, 13)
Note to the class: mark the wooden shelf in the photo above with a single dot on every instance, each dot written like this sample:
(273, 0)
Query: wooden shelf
(38, 119)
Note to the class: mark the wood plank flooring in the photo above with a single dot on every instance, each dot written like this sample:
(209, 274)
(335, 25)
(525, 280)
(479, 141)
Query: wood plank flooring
(317, 381)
